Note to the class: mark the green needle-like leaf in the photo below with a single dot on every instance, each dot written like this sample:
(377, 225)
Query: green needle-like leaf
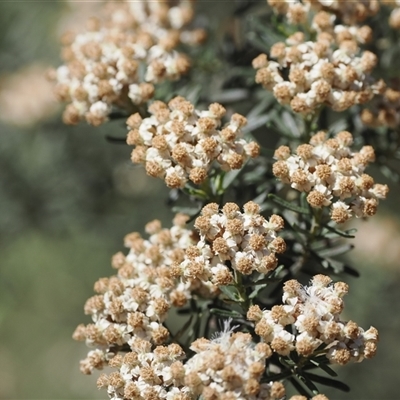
(308, 382)
(226, 313)
(325, 368)
(232, 293)
(346, 234)
(323, 380)
(288, 205)
(300, 388)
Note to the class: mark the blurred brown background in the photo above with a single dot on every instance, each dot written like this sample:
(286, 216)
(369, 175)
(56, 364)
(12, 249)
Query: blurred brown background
(67, 198)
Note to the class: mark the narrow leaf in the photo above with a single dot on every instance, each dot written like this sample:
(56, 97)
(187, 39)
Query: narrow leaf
(350, 271)
(282, 127)
(230, 95)
(289, 121)
(345, 234)
(308, 382)
(323, 380)
(339, 125)
(300, 388)
(260, 198)
(256, 290)
(287, 362)
(335, 265)
(303, 200)
(256, 122)
(226, 313)
(193, 94)
(288, 205)
(335, 251)
(230, 177)
(255, 40)
(268, 98)
(328, 370)
(297, 228)
(184, 311)
(277, 270)
(232, 293)
(324, 367)
(338, 267)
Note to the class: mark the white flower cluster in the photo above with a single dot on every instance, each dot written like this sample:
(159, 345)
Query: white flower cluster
(147, 374)
(178, 142)
(231, 240)
(324, 24)
(314, 313)
(230, 367)
(319, 73)
(332, 174)
(117, 61)
(134, 304)
(384, 110)
(351, 12)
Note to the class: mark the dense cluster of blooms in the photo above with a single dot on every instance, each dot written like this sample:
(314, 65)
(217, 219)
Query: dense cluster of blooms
(345, 37)
(146, 373)
(332, 174)
(314, 311)
(230, 366)
(384, 110)
(247, 242)
(178, 142)
(351, 12)
(319, 73)
(166, 269)
(134, 303)
(117, 61)
(128, 312)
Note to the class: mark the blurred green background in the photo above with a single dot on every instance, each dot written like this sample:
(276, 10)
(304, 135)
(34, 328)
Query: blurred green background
(68, 197)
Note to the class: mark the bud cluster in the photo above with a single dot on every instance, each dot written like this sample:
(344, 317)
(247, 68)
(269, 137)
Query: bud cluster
(135, 303)
(178, 142)
(117, 61)
(314, 311)
(234, 241)
(350, 12)
(230, 366)
(318, 73)
(332, 175)
(146, 373)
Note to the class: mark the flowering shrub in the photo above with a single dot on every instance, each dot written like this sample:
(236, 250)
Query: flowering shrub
(252, 261)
